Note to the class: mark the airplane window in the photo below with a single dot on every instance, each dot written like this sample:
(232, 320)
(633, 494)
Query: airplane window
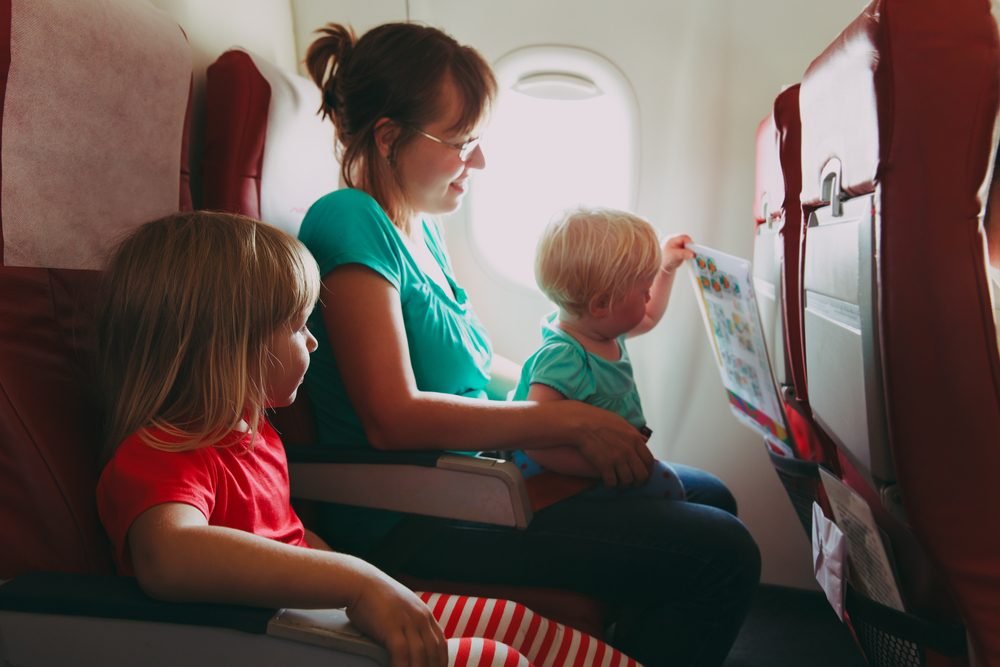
(563, 134)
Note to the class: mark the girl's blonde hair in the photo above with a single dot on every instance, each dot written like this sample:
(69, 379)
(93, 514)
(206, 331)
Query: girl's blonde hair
(188, 305)
(393, 71)
(591, 253)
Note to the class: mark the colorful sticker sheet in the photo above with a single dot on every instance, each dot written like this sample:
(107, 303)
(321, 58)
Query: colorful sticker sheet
(724, 287)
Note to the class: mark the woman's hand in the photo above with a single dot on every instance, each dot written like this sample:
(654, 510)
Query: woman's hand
(615, 448)
(394, 616)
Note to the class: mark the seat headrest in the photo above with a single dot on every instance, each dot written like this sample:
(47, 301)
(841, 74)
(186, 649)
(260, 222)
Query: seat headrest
(789, 129)
(898, 70)
(268, 152)
(769, 188)
(92, 138)
(839, 109)
(778, 169)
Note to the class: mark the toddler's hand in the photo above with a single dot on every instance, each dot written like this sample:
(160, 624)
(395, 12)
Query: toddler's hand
(674, 252)
(394, 616)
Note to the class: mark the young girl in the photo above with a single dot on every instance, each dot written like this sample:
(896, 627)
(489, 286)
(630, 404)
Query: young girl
(609, 278)
(202, 325)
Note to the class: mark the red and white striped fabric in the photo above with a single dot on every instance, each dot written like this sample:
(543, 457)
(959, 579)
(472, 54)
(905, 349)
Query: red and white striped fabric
(484, 632)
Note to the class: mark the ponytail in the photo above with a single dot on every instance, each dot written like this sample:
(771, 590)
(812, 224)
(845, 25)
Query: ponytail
(324, 61)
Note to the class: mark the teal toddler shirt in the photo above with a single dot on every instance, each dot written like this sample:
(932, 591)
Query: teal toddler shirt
(563, 364)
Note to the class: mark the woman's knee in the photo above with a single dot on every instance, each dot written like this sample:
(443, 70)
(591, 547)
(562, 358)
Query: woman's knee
(704, 488)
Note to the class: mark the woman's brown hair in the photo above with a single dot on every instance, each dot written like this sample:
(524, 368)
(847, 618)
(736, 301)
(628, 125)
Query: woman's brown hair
(393, 71)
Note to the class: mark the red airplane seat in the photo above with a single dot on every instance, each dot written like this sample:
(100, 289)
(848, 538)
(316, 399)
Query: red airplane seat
(993, 243)
(73, 182)
(777, 281)
(898, 132)
(269, 155)
(91, 149)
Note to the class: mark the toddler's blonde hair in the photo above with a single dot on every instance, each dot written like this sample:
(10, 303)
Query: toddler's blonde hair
(188, 305)
(589, 253)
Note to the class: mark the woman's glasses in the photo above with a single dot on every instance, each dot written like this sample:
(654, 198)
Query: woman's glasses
(465, 149)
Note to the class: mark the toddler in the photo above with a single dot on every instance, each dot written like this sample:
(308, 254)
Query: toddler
(610, 279)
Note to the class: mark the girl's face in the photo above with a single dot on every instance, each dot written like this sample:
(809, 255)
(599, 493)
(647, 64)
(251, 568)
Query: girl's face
(287, 361)
(434, 178)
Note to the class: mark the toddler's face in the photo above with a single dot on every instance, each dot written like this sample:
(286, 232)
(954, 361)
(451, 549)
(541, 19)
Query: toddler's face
(629, 311)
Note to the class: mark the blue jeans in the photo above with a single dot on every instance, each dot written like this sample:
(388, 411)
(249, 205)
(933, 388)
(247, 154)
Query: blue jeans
(682, 573)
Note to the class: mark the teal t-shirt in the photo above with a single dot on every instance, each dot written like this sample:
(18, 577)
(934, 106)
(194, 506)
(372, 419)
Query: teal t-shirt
(450, 351)
(562, 363)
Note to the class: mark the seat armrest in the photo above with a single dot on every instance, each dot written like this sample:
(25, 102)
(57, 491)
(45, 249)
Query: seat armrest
(328, 628)
(108, 596)
(60, 596)
(467, 488)
(333, 454)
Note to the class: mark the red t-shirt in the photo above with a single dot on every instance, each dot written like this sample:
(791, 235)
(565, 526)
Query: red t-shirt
(231, 483)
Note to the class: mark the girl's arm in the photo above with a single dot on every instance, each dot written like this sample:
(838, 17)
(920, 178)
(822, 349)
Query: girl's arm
(316, 542)
(674, 254)
(177, 556)
(364, 322)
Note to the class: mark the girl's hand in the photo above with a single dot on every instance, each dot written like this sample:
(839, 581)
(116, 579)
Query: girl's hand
(615, 448)
(394, 616)
(674, 252)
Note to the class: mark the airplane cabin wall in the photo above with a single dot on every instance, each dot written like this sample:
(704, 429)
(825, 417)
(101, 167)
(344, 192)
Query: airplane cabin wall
(704, 74)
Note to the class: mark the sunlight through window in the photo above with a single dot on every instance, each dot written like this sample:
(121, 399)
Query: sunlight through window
(563, 134)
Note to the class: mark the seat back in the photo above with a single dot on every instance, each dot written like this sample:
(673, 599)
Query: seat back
(777, 261)
(898, 132)
(768, 249)
(778, 233)
(91, 148)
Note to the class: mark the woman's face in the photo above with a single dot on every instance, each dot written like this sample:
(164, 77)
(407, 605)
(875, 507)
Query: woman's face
(433, 176)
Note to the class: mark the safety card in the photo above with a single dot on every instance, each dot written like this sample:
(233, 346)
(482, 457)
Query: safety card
(724, 287)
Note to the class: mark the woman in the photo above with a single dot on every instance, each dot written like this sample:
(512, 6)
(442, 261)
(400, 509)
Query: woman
(403, 363)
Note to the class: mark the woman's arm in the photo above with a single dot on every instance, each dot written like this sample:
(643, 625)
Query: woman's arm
(364, 322)
(177, 556)
(674, 254)
(564, 460)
